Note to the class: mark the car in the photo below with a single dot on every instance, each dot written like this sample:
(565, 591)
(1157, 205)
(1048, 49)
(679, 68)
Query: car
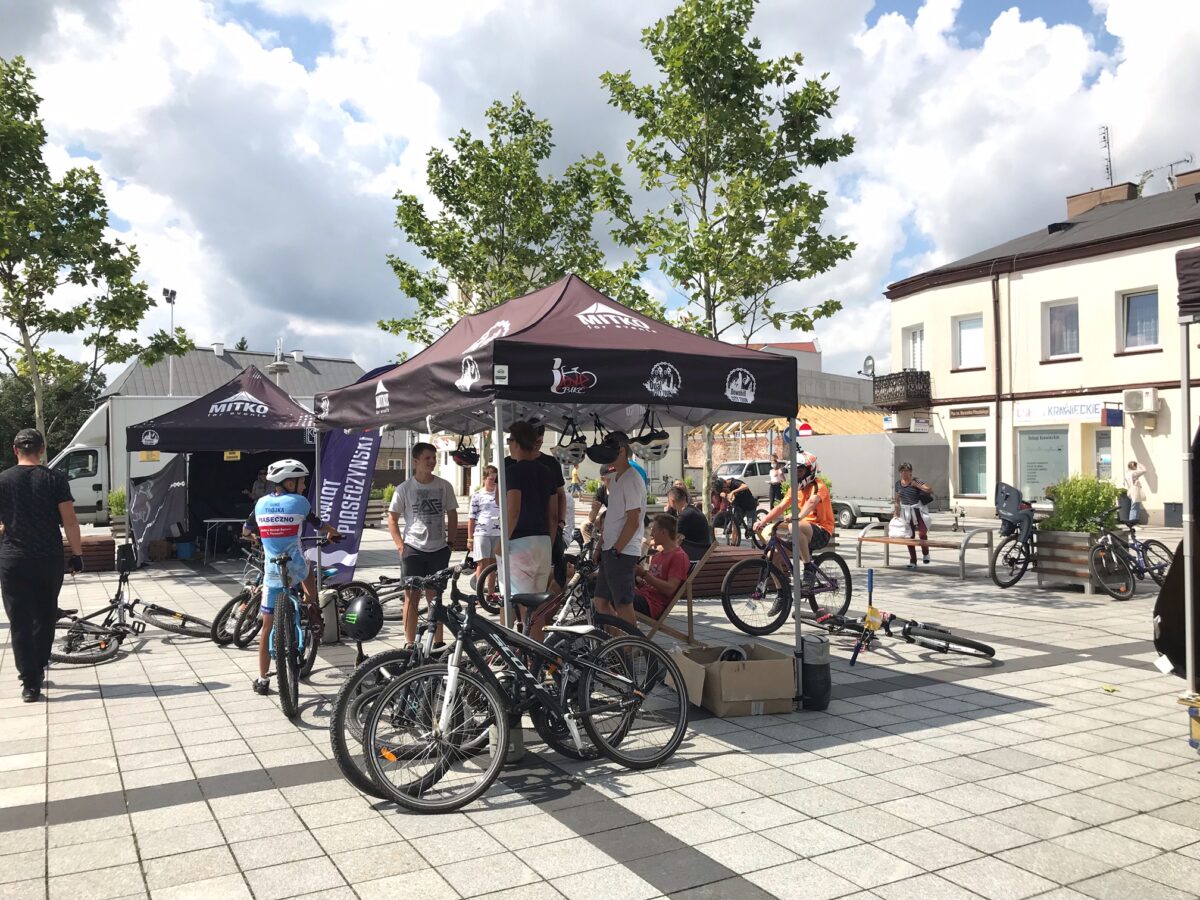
(755, 472)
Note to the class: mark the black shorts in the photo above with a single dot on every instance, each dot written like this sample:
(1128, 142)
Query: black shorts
(820, 537)
(423, 563)
(614, 578)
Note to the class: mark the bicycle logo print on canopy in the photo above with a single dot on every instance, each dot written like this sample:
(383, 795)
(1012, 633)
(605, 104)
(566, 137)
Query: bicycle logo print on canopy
(571, 381)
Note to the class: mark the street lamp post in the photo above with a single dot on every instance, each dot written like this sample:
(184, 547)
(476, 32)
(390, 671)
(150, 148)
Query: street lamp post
(169, 297)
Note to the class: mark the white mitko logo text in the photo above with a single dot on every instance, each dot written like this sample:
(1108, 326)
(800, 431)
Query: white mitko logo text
(598, 315)
(240, 404)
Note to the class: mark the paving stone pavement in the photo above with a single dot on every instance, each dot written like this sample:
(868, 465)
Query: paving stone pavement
(1060, 770)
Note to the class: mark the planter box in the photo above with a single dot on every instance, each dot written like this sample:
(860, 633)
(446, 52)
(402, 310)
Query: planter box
(1062, 558)
(117, 524)
(376, 510)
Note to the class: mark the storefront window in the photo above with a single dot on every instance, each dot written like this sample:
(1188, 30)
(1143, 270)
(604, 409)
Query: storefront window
(972, 464)
(1042, 460)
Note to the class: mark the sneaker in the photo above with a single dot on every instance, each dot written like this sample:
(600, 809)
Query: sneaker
(262, 686)
(782, 600)
(30, 694)
(926, 560)
(808, 580)
(911, 565)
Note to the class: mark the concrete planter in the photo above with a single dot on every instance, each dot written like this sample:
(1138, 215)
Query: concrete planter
(376, 509)
(118, 525)
(1062, 558)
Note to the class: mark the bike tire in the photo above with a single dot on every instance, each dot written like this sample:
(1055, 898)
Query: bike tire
(1010, 562)
(312, 643)
(1110, 570)
(733, 533)
(345, 727)
(249, 622)
(225, 623)
(943, 641)
(490, 599)
(286, 665)
(832, 566)
(658, 689)
(547, 723)
(749, 593)
(1158, 560)
(72, 649)
(419, 793)
(176, 622)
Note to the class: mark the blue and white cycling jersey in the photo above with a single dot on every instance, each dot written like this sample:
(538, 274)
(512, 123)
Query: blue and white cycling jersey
(278, 519)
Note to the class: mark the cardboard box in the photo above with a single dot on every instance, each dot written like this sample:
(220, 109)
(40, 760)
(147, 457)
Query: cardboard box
(160, 550)
(764, 683)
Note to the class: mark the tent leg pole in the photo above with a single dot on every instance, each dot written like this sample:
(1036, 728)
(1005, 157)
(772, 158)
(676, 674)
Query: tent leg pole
(516, 737)
(1189, 550)
(797, 571)
(317, 496)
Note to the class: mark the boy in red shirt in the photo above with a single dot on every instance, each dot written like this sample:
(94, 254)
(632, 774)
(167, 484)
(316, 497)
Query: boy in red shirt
(668, 569)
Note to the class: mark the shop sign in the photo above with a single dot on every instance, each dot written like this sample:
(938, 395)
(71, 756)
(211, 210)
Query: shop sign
(1060, 409)
(233, 455)
(970, 412)
(919, 426)
(149, 456)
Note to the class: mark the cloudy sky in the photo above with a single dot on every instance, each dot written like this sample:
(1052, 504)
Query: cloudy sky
(250, 148)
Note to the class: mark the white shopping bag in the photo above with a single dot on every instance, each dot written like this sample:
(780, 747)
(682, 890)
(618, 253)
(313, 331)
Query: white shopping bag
(898, 528)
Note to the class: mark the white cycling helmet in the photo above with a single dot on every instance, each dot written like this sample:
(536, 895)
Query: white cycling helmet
(652, 446)
(572, 446)
(806, 469)
(281, 471)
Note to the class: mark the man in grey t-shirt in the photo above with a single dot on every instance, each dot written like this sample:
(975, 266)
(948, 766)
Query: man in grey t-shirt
(429, 508)
(622, 543)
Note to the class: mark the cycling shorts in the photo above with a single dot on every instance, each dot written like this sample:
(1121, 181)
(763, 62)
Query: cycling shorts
(297, 572)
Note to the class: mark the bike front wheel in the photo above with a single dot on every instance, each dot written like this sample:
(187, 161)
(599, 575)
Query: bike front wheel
(351, 709)
(287, 664)
(79, 644)
(488, 594)
(1158, 560)
(224, 626)
(1009, 562)
(249, 622)
(1111, 572)
(756, 596)
(176, 622)
(832, 585)
(634, 707)
(418, 765)
(942, 641)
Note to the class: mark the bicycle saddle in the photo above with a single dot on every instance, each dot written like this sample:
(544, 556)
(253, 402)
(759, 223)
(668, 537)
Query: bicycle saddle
(532, 601)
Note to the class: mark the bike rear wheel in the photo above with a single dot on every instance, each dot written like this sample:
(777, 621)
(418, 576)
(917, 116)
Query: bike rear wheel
(287, 665)
(249, 622)
(1111, 572)
(1009, 562)
(312, 642)
(756, 596)
(942, 641)
(1158, 560)
(831, 567)
(488, 593)
(353, 706)
(176, 622)
(549, 725)
(636, 709)
(225, 624)
(80, 644)
(421, 769)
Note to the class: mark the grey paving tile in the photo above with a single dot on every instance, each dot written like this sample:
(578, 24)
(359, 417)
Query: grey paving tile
(567, 858)
(393, 858)
(928, 849)
(265, 851)
(810, 838)
(93, 855)
(23, 866)
(281, 881)
(1055, 862)
(869, 824)
(802, 880)
(997, 880)
(101, 884)
(869, 866)
(984, 833)
(611, 883)
(1156, 832)
(924, 887)
(1107, 846)
(465, 844)
(421, 885)
(760, 814)
(1172, 869)
(473, 877)
(743, 853)
(1123, 885)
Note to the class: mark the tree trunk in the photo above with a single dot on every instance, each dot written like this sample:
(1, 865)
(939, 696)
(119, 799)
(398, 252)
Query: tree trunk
(35, 379)
(708, 470)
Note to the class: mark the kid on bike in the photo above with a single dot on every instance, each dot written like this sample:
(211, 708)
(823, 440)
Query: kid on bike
(278, 519)
(816, 516)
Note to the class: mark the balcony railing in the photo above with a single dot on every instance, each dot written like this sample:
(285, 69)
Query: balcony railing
(902, 390)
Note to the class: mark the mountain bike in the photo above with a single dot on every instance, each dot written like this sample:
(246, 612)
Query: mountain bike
(295, 636)
(436, 738)
(490, 596)
(1017, 550)
(757, 593)
(924, 634)
(224, 626)
(1115, 561)
(82, 640)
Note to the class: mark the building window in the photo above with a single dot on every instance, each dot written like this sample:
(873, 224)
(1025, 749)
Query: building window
(1060, 329)
(972, 464)
(1139, 319)
(1042, 460)
(396, 465)
(968, 342)
(913, 338)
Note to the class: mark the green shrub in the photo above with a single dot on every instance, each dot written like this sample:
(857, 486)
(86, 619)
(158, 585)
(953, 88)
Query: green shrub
(376, 494)
(593, 485)
(651, 498)
(689, 482)
(388, 491)
(1079, 500)
(116, 502)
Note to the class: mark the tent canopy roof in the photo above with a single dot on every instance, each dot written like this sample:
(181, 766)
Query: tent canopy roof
(567, 350)
(248, 413)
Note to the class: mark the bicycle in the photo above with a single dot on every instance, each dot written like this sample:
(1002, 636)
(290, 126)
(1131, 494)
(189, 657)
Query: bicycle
(924, 634)
(436, 737)
(757, 595)
(959, 518)
(1017, 550)
(224, 626)
(1114, 561)
(295, 636)
(80, 640)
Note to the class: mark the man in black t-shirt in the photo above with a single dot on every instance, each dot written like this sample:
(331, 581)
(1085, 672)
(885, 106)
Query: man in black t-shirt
(558, 546)
(33, 501)
(532, 505)
(694, 531)
(742, 499)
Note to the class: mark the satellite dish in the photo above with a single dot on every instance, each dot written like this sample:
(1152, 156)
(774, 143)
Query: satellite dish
(868, 367)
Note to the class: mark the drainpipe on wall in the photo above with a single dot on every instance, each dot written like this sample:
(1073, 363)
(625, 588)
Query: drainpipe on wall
(999, 373)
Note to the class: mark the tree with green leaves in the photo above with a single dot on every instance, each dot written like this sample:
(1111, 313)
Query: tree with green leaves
(70, 397)
(730, 138)
(504, 227)
(242, 344)
(54, 238)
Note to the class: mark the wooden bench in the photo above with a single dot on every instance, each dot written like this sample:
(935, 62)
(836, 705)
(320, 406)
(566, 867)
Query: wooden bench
(961, 545)
(99, 553)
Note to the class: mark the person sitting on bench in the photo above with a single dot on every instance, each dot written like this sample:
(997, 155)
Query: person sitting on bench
(657, 583)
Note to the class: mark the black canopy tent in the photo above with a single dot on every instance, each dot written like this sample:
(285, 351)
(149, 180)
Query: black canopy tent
(567, 350)
(249, 413)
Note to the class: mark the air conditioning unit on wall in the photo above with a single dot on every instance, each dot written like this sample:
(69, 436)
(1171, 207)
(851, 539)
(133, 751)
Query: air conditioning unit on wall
(1141, 401)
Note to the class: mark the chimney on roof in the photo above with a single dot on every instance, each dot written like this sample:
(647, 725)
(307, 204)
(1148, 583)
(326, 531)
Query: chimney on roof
(218, 348)
(1187, 179)
(1078, 204)
(298, 356)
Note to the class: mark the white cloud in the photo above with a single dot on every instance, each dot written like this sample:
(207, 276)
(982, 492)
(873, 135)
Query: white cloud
(260, 190)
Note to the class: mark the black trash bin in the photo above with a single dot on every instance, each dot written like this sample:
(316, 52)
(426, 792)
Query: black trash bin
(1173, 515)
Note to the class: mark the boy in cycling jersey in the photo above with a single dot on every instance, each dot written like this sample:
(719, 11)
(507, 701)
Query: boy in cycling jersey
(277, 520)
(816, 516)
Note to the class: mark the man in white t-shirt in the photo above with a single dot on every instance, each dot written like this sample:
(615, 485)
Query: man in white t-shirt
(621, 547)
(429, 508)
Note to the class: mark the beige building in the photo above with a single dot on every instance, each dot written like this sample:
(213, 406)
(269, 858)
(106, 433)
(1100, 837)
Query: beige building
(1020, 355)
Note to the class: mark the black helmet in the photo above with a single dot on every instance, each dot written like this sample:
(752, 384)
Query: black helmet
(363, 618)
(467, 457)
